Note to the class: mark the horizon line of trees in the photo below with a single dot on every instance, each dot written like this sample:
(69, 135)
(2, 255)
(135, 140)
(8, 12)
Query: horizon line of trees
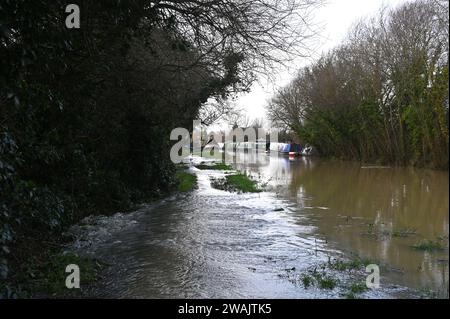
(382, 95)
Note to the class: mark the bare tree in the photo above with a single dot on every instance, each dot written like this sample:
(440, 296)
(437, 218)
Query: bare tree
(381, 94)
(236, 39)
(287, 109)
(217, 109)
(261, 31)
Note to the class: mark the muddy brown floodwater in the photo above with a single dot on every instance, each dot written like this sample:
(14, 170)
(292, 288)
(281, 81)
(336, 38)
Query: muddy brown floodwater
(215, 244)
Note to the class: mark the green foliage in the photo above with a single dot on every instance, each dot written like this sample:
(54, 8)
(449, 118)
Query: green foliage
(342, 265)
(46, 277)
(325, 281)
(355, 263)
(50, 278)
(429, 245)
(243, 183)
(405, 232)
(307, 280)
(354, 290)
(321, 280)
(358, 288)
(239, 182)
(186, 181)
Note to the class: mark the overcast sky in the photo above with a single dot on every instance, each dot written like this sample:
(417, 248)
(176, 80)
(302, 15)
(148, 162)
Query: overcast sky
(336, 17)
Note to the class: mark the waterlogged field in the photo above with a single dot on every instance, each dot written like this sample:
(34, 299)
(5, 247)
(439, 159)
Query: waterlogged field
(309, 231)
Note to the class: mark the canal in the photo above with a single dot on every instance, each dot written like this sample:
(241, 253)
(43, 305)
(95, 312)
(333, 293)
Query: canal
(293, 240)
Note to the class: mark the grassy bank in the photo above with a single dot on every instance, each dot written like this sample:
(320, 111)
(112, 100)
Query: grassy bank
(40, 272)
(186, 181)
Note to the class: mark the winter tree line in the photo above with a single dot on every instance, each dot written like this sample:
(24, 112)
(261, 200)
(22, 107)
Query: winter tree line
(382, 95)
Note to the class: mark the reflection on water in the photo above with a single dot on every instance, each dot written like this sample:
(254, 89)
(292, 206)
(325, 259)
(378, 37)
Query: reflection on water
(377, 212)
(215, 244)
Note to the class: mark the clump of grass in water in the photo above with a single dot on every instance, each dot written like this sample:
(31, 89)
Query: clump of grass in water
(355, 289)
(307, 281)
(187, 181)
(341, 265)
(215, 166)
(321, 280)
(354, 264)
(429, 245)
(403, 232)
(237, 182)
(371, 231)
(358, 287)
(326, 282)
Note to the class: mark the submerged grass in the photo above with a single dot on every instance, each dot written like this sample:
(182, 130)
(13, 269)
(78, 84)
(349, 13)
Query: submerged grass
(357, 263)
(187, 181)
(243, 183)
(358, 288)
(406, 232)
(330, 277)
(307, 280)
(429, 245)
(325, 281)
(373, 232)
(321, 280)
(355, 289)
(341, 265)
(236, 183)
